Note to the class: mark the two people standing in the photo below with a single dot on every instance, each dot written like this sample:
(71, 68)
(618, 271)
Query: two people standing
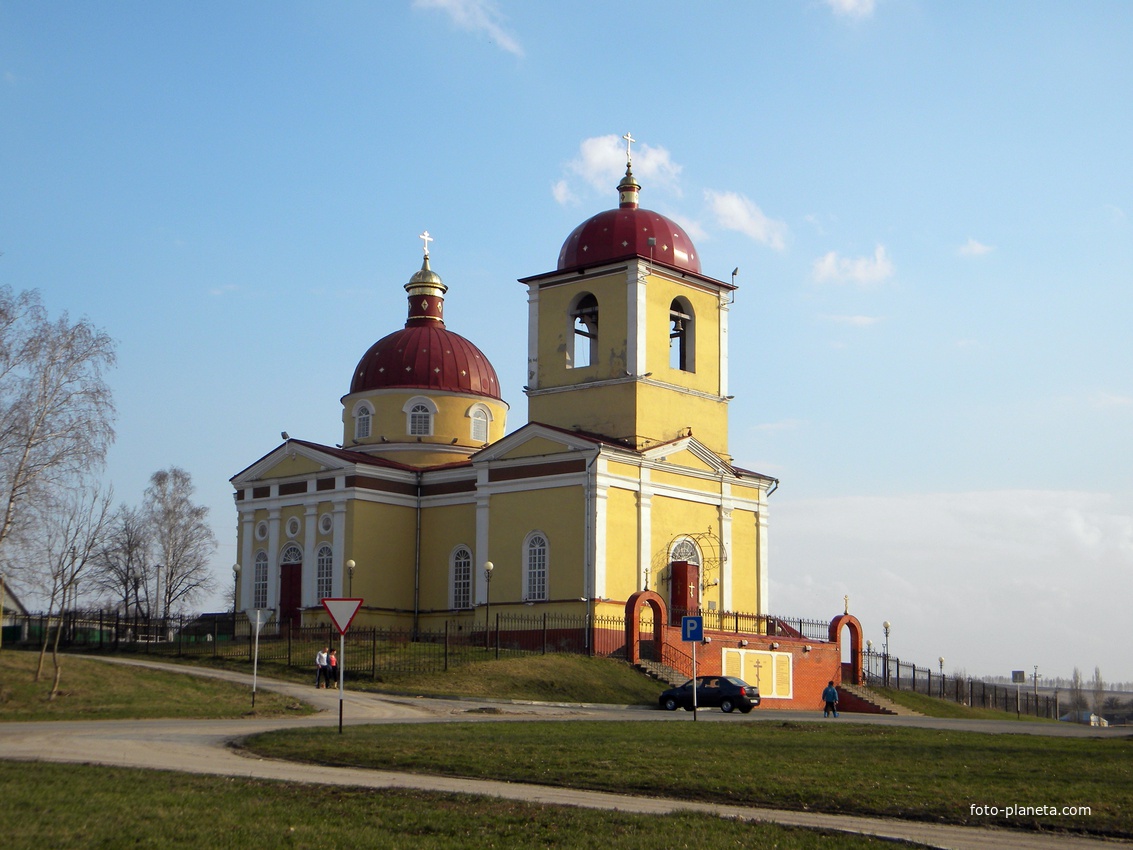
(326, 668)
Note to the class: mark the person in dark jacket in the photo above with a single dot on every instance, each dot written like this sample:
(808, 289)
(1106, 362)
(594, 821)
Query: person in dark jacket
(830, 698)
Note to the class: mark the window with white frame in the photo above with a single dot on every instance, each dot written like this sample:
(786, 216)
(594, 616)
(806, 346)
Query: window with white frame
(260, 582)
(535, 567)
(325, 564)
(480, 416)
(420, 421)
(363, 417)
(419, 414)
(462, 577)
(292, 555)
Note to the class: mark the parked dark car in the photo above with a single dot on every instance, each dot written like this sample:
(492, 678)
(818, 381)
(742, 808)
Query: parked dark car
(726, 692)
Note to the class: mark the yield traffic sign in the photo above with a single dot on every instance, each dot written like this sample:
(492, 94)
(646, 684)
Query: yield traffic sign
(342, 611)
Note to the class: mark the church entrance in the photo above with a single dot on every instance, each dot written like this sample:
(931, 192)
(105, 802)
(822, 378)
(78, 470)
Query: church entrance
(290, 593)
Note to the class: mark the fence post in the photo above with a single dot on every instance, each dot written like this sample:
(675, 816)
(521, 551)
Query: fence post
(446, 646)
(497, 635)
(544, 632)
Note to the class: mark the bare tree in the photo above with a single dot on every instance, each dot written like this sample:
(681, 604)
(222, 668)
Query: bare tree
(68, 533)
(122, 563)
(182, 539)
(56, 409)
(1077, 699)
(1097, 690)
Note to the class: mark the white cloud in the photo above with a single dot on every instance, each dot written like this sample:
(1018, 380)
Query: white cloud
(972, 248)
(736, 212)
(851, 8)
(478, 16)
(601, 163)
(855, 321)
(1108, 401)
(864, 271)
(218, 291)
(562, 193)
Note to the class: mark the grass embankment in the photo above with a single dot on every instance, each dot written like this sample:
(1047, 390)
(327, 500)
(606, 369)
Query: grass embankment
(543, 678)
(81, 806)
(917, 774)
(935, 707)
(96, 690)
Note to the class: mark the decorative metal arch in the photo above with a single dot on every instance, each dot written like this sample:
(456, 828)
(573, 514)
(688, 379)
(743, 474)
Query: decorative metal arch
(713, 555)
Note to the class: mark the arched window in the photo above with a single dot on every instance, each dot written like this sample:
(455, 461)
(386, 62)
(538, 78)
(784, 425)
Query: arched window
(462, 577)
(685, 550)
(260, 586)
(681, 336)
(584, 325)
(292, 555)
(420, 421)
(535, 561)
(480, 416)
(419, 412)
(363, 419)
(325, 565)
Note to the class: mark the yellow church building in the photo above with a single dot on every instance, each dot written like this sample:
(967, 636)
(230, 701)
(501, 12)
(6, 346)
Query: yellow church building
(620, 482)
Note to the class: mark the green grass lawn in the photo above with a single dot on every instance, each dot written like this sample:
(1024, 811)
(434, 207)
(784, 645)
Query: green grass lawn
(919, 774)
(550, 678)
(95, 690)
(936, 707)
(81, 806)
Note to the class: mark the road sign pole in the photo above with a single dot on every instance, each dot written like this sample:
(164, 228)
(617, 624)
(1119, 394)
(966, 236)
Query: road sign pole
(342, 612)
(694, 681)
(341, 673)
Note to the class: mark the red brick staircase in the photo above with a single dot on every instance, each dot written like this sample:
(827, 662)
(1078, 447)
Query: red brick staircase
(861, 700)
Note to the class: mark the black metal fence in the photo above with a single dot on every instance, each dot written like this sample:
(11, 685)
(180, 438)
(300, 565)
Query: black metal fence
(881, 670)
(756, 624)
(368, 652)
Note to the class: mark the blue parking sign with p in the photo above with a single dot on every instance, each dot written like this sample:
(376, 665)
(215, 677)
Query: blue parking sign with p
(692, 629)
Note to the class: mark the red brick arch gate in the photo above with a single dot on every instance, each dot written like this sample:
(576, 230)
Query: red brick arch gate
(850, 622)
(633, 626)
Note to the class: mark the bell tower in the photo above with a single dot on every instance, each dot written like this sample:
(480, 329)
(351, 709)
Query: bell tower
(627, 339)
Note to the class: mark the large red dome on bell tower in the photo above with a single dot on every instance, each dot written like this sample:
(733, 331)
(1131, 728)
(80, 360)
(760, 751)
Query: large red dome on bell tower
(629, 231)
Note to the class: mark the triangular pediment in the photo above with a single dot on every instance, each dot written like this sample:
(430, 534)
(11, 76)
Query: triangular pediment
(535, 440)
(690, 453)
(296, 458)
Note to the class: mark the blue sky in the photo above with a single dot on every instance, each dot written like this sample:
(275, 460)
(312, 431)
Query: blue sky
(930, 206)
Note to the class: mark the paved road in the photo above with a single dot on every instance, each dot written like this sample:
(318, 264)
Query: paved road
(203, 747)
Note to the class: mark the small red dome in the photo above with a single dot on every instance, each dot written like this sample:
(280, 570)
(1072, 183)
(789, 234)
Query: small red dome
(426, 357)
(625, 232)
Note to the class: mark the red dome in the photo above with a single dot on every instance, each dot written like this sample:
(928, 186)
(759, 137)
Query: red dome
(625, 232)
(427, 357)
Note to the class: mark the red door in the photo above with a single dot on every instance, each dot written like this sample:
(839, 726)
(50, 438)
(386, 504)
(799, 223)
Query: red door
(290, 593)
